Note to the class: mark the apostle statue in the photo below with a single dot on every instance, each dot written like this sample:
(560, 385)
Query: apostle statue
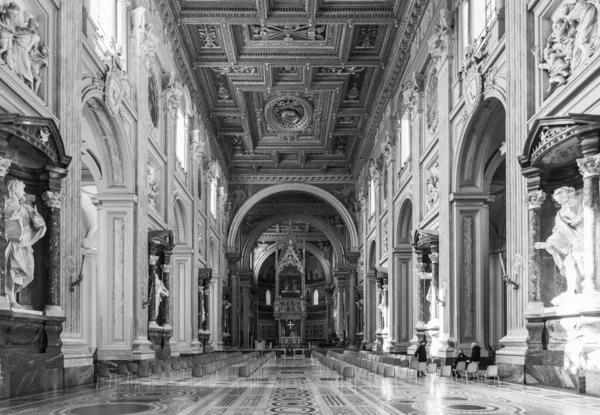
(160, 291)
(24, 226)
(566, 242)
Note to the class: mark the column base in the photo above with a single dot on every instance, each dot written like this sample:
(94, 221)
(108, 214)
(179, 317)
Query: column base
(54, 311)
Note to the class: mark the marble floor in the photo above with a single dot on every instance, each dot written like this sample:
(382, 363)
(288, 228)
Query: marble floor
(301, 386)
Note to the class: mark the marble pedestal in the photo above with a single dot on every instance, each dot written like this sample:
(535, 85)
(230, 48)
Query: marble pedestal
(30, 352)
(160, 337)
(564, 350)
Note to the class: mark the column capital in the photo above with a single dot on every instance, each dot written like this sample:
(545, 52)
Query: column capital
(4, 166)
(152, 259)
(535, 199)
(434, 257)
(166, 268)
(589, 166)
(53, 200)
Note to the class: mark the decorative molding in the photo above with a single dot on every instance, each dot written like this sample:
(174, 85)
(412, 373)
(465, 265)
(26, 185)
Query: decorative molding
(440, 44)
(118, 294)
(589, 166)
(535, 199)
(413, 94)
(53, 200)
(468, 276)
(4, 166)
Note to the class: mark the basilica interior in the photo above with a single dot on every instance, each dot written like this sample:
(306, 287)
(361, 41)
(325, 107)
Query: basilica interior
(295, 191)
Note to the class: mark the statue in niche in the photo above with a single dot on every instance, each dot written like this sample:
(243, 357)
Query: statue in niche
(383, 307)
(239, 196)
(24, 226)
(160, 291)
(566, 242)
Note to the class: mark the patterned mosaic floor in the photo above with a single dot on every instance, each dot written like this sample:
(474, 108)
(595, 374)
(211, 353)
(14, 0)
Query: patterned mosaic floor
(302, 386)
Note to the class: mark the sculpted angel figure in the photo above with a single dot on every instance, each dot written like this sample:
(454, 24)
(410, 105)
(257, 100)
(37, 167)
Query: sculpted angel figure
(566, 242)
(24, 226)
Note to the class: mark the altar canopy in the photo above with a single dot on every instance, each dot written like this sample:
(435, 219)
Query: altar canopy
(289, 308)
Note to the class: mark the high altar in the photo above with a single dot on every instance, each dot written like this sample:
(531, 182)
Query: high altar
(289, 308)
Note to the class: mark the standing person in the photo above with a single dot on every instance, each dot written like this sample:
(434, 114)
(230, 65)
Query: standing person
(475, 353)
(421, 355)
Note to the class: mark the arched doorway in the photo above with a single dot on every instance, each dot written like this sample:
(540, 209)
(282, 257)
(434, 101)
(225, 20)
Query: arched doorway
(402, 301)
(479, 210)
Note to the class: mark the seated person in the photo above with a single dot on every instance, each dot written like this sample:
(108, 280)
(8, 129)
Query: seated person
(475, 353)
(462, 357)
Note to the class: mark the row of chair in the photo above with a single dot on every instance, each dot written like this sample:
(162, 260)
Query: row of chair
(151, 369)
(470, 371)
(336, 366)
(246, 370)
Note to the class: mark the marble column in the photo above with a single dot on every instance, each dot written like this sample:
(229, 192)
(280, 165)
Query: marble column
(435, 257)
(152, 312)
(534, 201)
(54, 201)
(419, 288)
(245, 315)
(339, 326)
(166, 277)
(206, 305)
(352, 307)
(4, 166)
(234, 309)
(378, 316)
(590, 169)
(328, 318)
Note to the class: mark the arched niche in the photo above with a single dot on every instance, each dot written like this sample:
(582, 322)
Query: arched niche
(372, 257)
(293, 187)
(405, 222)
(325, 227)
(482, 137)
(181, 223)
(110, 149)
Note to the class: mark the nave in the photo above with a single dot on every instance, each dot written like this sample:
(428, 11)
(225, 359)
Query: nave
(301, 386)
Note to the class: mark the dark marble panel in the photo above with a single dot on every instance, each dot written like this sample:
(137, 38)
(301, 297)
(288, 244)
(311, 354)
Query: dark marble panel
(551, 376)
(35, 381)
(592, 383)
(80, 375)
(545, 357)
(511, 373)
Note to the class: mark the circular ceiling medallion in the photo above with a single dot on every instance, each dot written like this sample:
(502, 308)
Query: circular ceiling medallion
(288, 113)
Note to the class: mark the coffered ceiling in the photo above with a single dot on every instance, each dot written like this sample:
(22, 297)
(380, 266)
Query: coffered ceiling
(290, 86)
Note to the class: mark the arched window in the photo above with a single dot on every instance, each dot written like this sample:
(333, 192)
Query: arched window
(268, 297)
(316, 297)
(181, 145)
(372, 188)
(110, 17)
(404, 139)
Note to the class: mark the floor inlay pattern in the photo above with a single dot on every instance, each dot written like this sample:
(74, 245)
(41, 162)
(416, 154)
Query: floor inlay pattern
(301, 386)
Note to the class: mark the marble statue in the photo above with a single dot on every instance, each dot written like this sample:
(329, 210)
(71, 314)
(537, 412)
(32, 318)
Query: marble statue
(160, 291)
(566, 242)
(383, 307)
(24, 226)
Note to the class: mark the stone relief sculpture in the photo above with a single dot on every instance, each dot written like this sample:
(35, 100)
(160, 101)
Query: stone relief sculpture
(433, 187)
(152, 187)
(346, 196)
(566, 242)
(20, 48)
(574, 39)
(24, 226)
